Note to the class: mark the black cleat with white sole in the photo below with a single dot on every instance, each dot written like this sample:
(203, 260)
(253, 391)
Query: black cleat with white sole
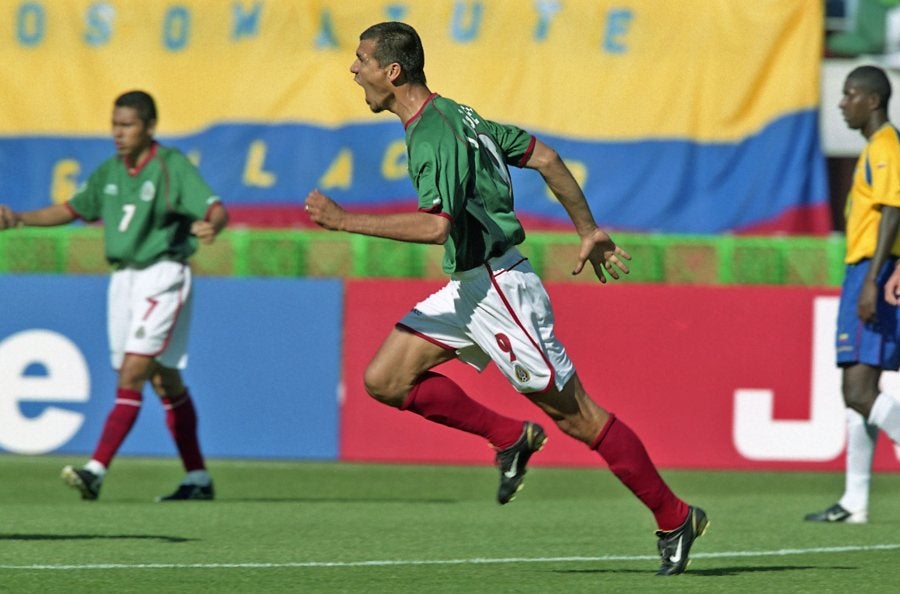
(512, 460)
(675, 545)
(83, 480)
(190, 493)
(837, 514)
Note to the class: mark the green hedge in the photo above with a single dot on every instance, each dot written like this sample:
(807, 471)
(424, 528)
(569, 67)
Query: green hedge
(721, 259)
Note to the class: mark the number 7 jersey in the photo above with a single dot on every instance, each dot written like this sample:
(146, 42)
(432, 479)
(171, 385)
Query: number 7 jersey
(147, 211)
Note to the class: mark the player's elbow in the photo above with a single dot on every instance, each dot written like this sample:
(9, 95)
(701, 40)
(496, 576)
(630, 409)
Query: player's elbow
(440, 238)
(543, 157)
(438, 230)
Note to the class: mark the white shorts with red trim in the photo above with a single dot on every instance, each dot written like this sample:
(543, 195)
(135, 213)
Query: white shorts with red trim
(149, 312)
(497, 312)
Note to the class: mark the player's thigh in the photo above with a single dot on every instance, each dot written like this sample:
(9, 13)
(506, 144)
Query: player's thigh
(399, 361)
(134, 371)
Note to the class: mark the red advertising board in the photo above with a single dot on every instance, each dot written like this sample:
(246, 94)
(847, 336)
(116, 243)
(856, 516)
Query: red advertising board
(709, 377)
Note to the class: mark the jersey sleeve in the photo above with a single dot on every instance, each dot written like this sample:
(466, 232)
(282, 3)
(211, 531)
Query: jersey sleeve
(435, 177)
(192, 197)
(884, 163)
(87, 201)
(515, 143)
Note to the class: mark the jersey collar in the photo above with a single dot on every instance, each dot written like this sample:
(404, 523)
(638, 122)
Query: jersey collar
(135, 169)
(421, 109)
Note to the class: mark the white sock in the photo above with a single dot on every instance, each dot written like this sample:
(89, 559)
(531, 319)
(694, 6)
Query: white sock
(96, 467)
(885, 414)
(861, 440)
(200, 478)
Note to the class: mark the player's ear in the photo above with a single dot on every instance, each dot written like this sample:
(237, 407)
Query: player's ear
(151, 127)
(395, 74)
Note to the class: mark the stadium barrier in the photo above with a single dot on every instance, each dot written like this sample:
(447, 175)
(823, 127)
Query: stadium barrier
(732, 377)
(264, 368)
(814, 261)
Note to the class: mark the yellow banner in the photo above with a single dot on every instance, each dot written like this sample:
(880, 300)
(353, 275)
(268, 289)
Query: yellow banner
(704, 70)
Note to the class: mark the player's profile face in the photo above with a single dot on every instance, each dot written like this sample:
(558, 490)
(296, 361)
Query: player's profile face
(855, 105)
(371, 76)
(129, 132)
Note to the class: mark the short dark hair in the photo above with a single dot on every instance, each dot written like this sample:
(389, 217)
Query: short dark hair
(398, 42)
(141, 102)
(873, 80)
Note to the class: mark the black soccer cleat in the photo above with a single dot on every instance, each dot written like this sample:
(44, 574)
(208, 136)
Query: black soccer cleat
(84, 480)
(675, 545)
(512, 460)
(836, 514)
(190, 493)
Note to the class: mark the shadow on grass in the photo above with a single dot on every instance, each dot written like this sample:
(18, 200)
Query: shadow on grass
(323, 499)
(717, 572)
(94, 537)
(725, 571)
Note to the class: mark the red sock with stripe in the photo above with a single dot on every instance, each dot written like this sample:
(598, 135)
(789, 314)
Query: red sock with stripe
(118, 424)
(181, 419)
(440, 400)
(628, 460)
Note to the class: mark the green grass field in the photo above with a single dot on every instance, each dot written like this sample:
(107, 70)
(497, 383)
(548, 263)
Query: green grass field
(329, 527)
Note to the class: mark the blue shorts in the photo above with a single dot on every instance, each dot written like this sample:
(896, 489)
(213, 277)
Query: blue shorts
(873, 344)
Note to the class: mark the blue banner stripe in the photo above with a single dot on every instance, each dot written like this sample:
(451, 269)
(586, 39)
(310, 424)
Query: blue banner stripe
(670, 185)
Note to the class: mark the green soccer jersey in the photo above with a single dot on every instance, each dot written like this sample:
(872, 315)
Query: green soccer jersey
(147, 211)
(458, 163)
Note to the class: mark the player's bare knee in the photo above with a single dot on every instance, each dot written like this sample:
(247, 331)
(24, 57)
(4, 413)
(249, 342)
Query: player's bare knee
(859, 403)
(383, 387)
(859, 398)
(166, 382)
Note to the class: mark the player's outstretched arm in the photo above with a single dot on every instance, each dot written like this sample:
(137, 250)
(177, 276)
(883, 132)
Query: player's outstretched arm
(597, 247)
(207, 230)
(414, 227)
(50, 216)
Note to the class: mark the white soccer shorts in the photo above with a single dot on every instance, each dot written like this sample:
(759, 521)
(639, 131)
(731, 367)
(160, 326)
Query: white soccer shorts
(149, 312)
(498, 312)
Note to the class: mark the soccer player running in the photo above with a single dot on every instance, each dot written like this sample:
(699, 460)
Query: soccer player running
(868, 328)
(155, 207)
(494, 307)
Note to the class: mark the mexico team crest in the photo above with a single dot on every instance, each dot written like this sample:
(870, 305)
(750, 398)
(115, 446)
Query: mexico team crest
(522, 374)
(148, 190)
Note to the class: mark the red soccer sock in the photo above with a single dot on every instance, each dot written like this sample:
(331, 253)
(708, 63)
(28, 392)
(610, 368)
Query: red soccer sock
(118, 424)
(181, 419)
(440, 400)
(628, 460)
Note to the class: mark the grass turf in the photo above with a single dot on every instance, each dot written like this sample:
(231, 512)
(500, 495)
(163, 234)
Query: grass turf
(337, 527)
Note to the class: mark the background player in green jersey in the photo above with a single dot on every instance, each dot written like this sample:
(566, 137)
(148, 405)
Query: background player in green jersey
(155, 207)
(495, 307)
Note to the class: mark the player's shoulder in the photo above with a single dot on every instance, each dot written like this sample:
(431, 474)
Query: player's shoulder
(883, 145)
(447, 105)
(109, 167)
(885, 138)
(444, 108)
(170, 153)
